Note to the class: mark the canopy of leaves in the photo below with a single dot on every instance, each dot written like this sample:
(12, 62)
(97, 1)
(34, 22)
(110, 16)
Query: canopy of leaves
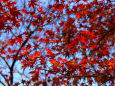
(58, 42)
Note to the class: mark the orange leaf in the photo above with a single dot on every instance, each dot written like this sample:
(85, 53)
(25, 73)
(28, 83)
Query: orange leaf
(24, 11)
(53, 61)
(37, 54)
(78, 15)
(40, 8)
(63, 60)
(48, 51)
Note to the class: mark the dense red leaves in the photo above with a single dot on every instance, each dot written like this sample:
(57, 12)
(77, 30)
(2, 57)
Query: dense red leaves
(10, 15)
(111, 64)
(35, 55)
(48, 51)
(59, 7)
(62, 43)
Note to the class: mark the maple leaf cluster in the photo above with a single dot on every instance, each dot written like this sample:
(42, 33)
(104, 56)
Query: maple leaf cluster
(64, 42)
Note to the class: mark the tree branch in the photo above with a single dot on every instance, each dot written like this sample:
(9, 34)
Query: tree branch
(2, 83)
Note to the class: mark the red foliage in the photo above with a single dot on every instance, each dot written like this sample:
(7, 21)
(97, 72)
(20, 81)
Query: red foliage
(62, 43)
